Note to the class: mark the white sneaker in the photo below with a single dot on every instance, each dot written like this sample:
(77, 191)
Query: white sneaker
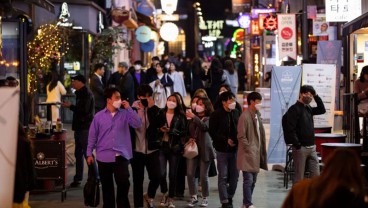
(193, 201)
(171, 203)
(204, 202)
(163, 201)
(149, 201)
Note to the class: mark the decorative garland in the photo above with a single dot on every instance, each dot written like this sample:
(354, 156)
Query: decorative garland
(48, 46)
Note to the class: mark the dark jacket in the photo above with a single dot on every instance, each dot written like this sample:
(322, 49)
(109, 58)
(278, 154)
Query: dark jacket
(114, 80)
(223, 125)
(97, 89)
(136, 83)
(83, 110)
(300, 121)
(151, 72)
(153, 143)
(177, 130)
(126, 87)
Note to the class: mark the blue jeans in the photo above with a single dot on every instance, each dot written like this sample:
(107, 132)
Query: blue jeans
(80, 153)
(204, 167)
(227, 173)
(249, 181)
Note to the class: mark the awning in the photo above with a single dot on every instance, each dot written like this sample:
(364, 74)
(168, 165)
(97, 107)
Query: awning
(146, 20)
(356, 24)
(44, 4)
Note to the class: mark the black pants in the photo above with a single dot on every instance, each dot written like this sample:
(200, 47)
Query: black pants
(152, 164)
(118, 169)
(182, 170)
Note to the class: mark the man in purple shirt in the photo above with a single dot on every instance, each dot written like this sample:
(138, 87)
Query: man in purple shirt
(109, 135)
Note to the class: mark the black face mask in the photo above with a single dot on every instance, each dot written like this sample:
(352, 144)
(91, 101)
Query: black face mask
(144, 102)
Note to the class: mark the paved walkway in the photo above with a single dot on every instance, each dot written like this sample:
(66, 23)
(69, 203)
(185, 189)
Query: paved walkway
(269, 191)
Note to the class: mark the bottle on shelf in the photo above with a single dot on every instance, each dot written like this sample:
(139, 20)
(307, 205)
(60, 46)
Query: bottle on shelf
(59, 125)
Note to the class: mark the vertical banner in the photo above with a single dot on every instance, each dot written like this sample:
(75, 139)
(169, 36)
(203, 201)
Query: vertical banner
(319, 76)
(285, 88)
(287, 35)
(329, 52)
(9, 109)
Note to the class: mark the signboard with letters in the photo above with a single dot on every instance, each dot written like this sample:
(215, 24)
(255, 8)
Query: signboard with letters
(343, 10)
(287, 35)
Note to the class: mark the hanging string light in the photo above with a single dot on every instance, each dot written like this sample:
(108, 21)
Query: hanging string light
(49, 45)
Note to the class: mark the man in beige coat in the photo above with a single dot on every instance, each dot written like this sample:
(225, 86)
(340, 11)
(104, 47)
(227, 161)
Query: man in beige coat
(251, 146)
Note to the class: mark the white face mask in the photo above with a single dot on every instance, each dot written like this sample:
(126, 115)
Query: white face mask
(258, 106)
(117, 104)
(167, 66)
(232, 106)
(137, 67)
(171, 105)
(194, 106)
(222, 92)
(199, 109)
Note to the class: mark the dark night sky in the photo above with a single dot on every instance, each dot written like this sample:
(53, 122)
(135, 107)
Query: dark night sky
(215, 9)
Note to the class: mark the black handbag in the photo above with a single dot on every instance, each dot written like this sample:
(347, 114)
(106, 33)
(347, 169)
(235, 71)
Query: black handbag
(91, 189)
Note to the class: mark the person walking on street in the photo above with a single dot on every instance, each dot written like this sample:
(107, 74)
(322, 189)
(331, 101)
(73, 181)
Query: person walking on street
(251, 146)
(109, 135)
(198, 132)
(172, 128)
(300, 127)
(97, 87)
(145, 153)
(223, 130)
(83, 112)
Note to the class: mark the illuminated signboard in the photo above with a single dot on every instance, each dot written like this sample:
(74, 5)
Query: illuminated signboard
(214, 27)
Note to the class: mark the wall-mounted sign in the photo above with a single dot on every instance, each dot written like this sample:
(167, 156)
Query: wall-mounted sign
(255, 27)
(256, 12)
(214, 27)
(64, 16)
(240, 5)
(244, 20)
(287, 35)
(169, 31)
(343, 11)
(143, 34)
(238, 36)
(270, 23)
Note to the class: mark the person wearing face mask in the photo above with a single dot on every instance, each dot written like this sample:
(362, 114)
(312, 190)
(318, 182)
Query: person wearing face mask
(218, 104)
(109, 135)
(145, 148)
(301, 131)
(172, 129)
(139, 76)
(198, 133)
(251, 154)
(223, 130)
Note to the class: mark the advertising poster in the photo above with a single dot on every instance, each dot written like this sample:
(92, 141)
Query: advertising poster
(329, 52)
(287, 35)
(319, 76)
(320, 26)
(285, 88)
(9, 109)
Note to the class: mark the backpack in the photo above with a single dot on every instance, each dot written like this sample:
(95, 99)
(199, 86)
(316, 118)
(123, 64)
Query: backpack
(287, 138)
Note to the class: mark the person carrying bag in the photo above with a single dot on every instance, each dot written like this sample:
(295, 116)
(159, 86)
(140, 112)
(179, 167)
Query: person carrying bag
(91, 189)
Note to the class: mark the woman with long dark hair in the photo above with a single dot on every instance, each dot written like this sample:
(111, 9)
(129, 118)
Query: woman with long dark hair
(54, 92)
(172, 128)
(216, 78)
